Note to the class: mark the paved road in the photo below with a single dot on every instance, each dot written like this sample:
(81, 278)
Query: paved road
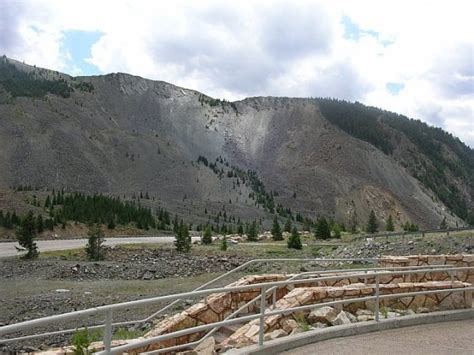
(434, 339)
(8, 248)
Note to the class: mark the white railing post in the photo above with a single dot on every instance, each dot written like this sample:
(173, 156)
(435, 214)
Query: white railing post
(377, 294)
(274, 298)
(262, 316)
(108, 331)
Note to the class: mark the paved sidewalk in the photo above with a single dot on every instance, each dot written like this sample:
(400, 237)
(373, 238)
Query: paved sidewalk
(451, 338)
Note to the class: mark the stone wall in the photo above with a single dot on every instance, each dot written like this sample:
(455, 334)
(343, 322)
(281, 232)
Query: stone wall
(212, 309)
(248, 334)
(218, 306)
(422, 260)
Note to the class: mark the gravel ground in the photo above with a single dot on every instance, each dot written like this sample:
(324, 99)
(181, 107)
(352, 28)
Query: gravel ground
(64, 282)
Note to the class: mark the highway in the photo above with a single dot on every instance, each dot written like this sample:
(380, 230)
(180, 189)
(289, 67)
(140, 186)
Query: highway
(8, 248)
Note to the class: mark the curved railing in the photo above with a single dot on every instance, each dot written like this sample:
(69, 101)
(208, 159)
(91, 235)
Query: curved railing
(264, 289)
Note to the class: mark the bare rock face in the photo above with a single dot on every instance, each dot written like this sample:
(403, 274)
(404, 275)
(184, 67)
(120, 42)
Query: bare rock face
(131, 134)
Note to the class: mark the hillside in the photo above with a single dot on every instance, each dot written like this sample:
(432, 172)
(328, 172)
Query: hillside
(197, 156)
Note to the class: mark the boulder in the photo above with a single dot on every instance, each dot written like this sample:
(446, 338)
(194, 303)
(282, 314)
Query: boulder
(351, 317)
(278, 333)
(324, 314)
(341, 319)
(206, 347)
(288, 325)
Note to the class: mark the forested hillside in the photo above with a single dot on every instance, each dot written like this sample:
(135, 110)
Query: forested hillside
(440, 161)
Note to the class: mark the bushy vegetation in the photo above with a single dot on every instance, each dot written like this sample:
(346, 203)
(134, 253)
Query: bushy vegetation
(26, 234)
(182, 238)
(435, 170)
(94, 248)
(294, 241)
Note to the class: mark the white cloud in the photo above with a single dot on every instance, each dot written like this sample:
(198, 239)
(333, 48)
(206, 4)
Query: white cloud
(285, 48)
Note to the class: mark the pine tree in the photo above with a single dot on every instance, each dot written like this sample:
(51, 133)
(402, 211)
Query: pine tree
(276, 230)
(287, 227)
(207, 236)
(372, 223)
(294, 241)
(26, 234)
(39, 224)
(240, 229)
(94, 248)
(389, 227)
(223, 246)
(252, 232)
(111, 224)
(336, 229)
(322, 229)
(183, 239)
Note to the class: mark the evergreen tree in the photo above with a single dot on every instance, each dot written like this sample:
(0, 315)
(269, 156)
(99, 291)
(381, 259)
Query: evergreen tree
(336, 229)
(39, 224)
(444, 224)
(294, 241)
(183, 239)
(240, 229)
(389, 226)
(372, 223)
(207, 236)
(276, 230)
(47, 202)
(111, 224)
(252, 232)
(287, 227)
(223, 246)
(26, 234)
(7, 221)
(94, 248)
(322, 229)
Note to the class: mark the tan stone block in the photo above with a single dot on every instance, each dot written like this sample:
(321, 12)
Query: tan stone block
(436, 259)
(207, 316)
(468, 258)
(196, 308)
(334, 292)
(220, 303)
(252, 331)
(456, 257)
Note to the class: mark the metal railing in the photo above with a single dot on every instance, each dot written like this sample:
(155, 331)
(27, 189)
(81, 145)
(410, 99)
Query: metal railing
(175, 302)
(109, 309)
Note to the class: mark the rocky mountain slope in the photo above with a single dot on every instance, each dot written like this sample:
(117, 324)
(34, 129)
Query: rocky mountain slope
(122, 135)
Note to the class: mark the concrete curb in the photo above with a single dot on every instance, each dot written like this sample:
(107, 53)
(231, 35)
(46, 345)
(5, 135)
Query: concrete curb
(314, 336)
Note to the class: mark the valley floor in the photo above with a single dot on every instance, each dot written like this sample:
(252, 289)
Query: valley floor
(64, 281)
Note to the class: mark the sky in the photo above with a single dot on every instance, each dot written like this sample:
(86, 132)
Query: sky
(412, 57)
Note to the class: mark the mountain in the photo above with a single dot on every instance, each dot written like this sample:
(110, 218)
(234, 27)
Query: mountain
(197, 156)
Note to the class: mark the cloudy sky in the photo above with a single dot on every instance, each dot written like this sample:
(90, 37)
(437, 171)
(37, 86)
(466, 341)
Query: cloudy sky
(412, 57)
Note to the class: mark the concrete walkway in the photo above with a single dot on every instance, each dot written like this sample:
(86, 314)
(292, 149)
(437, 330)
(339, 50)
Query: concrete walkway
(439, 338)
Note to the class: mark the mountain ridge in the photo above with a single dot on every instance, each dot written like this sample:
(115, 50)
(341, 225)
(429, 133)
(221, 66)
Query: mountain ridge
(134, 134)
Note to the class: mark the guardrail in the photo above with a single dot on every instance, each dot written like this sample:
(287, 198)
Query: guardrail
(420, 232)
(109, 309)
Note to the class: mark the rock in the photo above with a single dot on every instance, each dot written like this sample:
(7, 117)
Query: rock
(423, 310)
(62, 290)
(296, 331)
(364, 312)
(206, 347)
(319, 325)
(364, 318)
(351, 317)
(148, 275)
(324, 314)
(278, 333)
(391, 315)
(341, 319)
(289, 324)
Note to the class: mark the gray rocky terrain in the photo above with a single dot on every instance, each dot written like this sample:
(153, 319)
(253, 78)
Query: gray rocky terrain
(131, 134)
